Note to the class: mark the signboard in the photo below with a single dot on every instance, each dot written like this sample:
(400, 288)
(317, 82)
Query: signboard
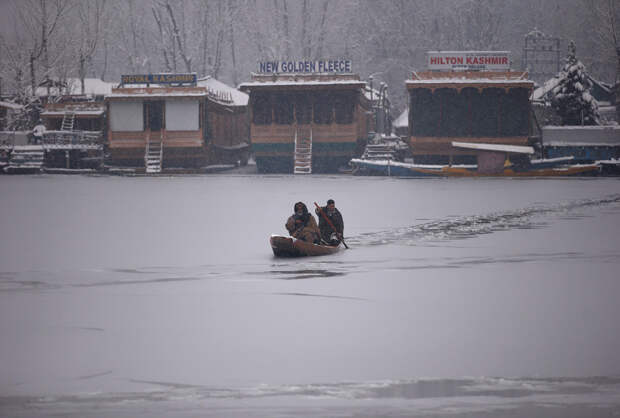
(468, 60)
(159, 79)
(340, 66)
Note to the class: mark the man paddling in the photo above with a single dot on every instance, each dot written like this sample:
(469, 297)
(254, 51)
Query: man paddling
(328, 234)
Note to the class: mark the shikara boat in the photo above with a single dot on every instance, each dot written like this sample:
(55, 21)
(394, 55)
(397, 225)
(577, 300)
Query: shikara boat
(292, 247)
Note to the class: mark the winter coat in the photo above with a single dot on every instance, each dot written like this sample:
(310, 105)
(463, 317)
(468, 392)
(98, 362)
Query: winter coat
(303, 227)
(325, 228)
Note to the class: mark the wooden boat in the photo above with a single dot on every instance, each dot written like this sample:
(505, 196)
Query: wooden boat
(398, 169)
(292, 247)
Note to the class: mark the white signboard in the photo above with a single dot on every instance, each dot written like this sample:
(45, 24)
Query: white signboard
(468, 60)
(305, 66)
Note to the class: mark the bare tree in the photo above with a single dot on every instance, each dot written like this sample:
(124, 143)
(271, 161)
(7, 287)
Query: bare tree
(607, 31)
(217, 65)
(179, 37)
(40, 19)
(90, 15)
(321, 40)
(232, 17)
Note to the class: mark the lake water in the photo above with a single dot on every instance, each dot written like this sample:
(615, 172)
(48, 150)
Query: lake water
(160, 296)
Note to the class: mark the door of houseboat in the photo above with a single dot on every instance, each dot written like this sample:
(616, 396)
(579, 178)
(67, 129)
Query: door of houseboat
(156, 115)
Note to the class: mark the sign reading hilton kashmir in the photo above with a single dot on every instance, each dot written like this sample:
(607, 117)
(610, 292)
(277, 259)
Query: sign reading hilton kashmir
(468, 60)
(159, 79)
(304, 66)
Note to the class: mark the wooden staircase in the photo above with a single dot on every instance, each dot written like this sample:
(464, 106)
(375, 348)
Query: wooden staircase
(68, 120)
(303, 153)
(153, 156)
(26, 158)
(379, 152)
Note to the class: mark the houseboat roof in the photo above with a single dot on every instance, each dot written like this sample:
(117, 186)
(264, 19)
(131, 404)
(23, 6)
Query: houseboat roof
(302, 81)
(79, 109)
(513, 149)
(461, 79)
(219, 91)
(72, 86)
(156, 92)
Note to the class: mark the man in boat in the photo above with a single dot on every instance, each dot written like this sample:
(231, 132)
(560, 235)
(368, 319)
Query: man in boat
(301, 225)
(328, 235)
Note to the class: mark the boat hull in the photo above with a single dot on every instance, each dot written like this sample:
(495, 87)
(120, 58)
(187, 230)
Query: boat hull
(397, 169)
(291, 247)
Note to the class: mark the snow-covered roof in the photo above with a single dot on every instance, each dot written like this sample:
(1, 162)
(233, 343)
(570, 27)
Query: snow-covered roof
(92, 87)
(78, 112)
(238, 98)
(518, 149)
(402, 121)
(541, 91)
(11, 105)
(459, 79)
(150, 92)
(302, 83)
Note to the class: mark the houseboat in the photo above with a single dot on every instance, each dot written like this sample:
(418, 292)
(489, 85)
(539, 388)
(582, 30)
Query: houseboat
(228, 123)
(307, 116)
(175, 122)
(156, 120)
(467, 97)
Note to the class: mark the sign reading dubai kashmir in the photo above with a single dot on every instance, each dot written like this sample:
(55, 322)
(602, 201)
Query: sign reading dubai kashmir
(468, 60)
(159, 79)
(305, 66)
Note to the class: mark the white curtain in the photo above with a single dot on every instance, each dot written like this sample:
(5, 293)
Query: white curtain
(182, 115)
(126, 116)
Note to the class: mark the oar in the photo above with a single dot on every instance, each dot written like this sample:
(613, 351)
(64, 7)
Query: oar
(331, 224)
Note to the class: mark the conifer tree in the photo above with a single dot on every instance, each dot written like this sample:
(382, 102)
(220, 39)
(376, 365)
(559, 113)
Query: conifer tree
(571, 98)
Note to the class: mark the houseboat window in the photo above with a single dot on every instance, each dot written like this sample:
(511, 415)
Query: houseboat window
(182, 115)
(469, 96)
(515, 112)
(126, 116)
(343, 108)
(283, 109)
(323, 109)
(261, 110)
(303, 109)
(452, 113)
(425, 109)
(486, 113)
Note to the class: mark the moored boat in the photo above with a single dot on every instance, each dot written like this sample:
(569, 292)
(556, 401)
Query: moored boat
(399, 169)
(291, 247)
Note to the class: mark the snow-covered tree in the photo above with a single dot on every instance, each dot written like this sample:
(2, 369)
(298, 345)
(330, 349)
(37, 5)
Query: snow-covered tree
(571, 98)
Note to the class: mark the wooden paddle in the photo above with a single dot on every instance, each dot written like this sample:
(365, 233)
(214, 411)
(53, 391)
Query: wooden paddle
(331, 224)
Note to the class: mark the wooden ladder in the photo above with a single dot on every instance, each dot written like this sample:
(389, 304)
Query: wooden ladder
(67, 121)
(303, 154)
(153, 156)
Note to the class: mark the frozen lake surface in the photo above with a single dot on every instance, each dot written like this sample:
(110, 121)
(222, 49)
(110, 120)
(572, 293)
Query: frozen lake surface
(159, 296)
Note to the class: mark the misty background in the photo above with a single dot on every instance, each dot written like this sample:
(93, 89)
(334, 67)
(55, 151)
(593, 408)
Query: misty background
(226, 39)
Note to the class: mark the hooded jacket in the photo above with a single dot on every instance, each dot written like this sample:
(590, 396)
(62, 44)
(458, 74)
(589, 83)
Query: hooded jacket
(303, 227)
